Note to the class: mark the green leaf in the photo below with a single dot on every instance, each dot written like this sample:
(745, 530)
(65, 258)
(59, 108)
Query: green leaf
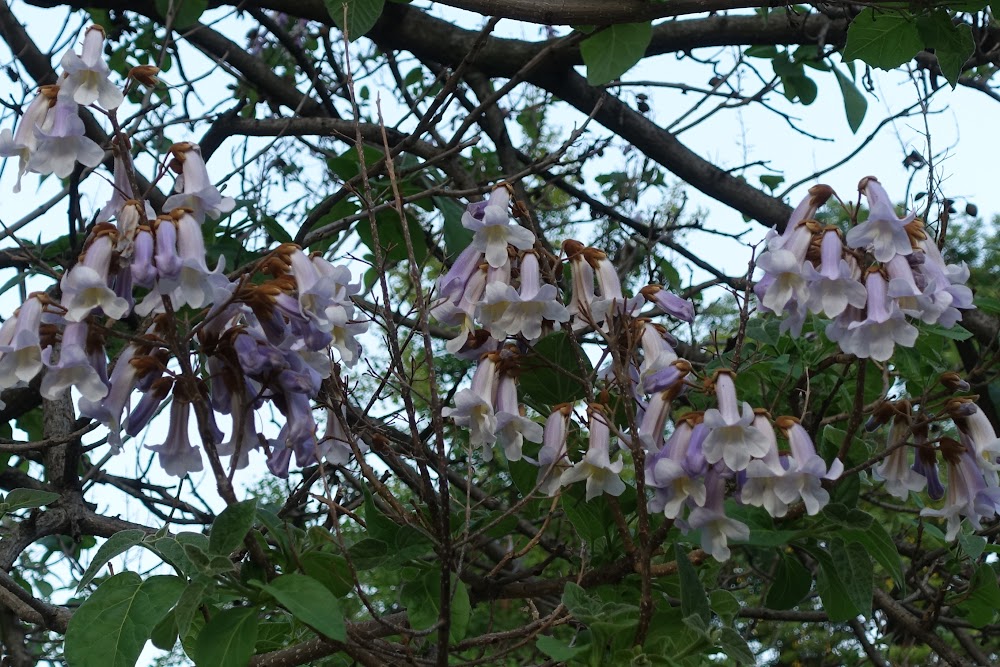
(957, 332)
(884, 40)
(164, 635)
(953, 44)
(184, 13)
(188, 604)
(552, 370)
(354, 17)
(724, 604)
(735, 647)
(228, 640)
(391, 238)
(693, 598)
(876, 539)
(116, 544)
(111, 627)
(613, 51)
(20, 499)
(844, 581)
(231, 527)
(558, 650)
(456, 237)
(792, 581)
(973, 545)
(422, 596)
(310, 602)
(330, 570)
(855, 103)
(980, 607)
(772, 181)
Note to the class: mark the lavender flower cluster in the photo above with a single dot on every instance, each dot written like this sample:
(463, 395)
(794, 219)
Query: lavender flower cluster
(250, 342)
(691, 471)
(973, 489)
(885, 270)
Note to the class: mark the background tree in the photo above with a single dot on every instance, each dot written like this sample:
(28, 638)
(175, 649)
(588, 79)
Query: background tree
(401, 534)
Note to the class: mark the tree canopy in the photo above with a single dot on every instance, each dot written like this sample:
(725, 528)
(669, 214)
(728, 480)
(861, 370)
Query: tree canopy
(457, 333)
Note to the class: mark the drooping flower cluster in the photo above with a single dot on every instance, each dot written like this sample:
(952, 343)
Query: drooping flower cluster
(690, 474)
(261, 341)
(972, 489)
(885, 270)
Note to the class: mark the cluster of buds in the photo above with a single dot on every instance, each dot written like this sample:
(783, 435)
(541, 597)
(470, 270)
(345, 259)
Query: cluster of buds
(267, 338)
(972, 489)
(868, 282)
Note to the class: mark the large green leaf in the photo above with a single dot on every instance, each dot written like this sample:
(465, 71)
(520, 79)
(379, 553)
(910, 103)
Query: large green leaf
(231, 527)
(228, 640)
(422, 598)
(115, 545)
(550, 371)
(184, 13)
(844, 581)
(310, 602)
(792, 581)
(694, 601)
(953, 44)
(20, 499)
(111, 627)
(354, 17)
(611, 52)
(883, 39)
(855, 103)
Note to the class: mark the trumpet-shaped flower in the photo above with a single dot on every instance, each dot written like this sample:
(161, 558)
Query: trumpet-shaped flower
(732, 438)
(86, 74)
(596, 468)
(883, 231)
(492, 231)
(62, 145)
(194, 188)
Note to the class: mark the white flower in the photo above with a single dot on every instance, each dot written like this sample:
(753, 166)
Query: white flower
(64, 144)
(882, 230)
(732, 438)
(86, 79)
(601, 474)
(196, 190)
(492, 231)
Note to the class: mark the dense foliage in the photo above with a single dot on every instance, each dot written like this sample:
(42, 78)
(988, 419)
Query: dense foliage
(430, 369)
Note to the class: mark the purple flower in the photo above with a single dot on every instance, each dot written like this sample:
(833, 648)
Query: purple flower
(883, 328)
(895, 469)
(670, 474)
(74, 368)
(968, 493)
(882, 230)
(492, 231)
(62, 145)
(86, 75)
(601, 474)
(22, 143)
(836, 284)
(523, 312)
(196, 190)
(176, 455)
(669, 303)
(805, 469)
(784, 276)
(513, 428)
(716, 528)
(19, 344)
(85, 286)
(474, 406)
(552, 457)
(732, 438)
